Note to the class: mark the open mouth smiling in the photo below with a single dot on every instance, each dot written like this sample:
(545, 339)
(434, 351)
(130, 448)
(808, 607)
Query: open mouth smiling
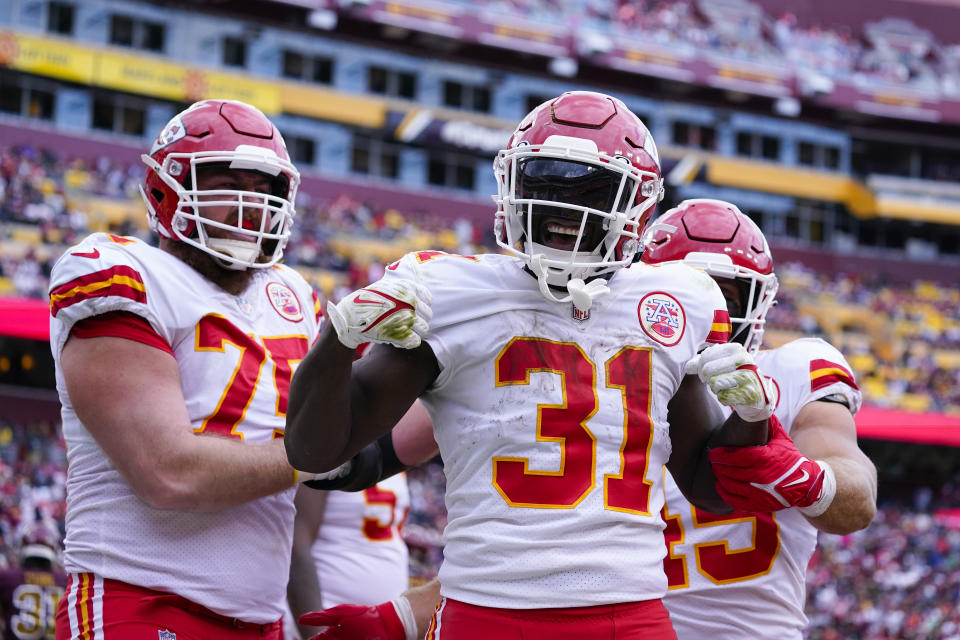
(562, 234)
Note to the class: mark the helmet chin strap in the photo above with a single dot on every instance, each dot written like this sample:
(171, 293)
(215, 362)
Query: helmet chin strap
(581, 293)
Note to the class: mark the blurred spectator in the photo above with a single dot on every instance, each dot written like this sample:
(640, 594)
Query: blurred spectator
(908, 356)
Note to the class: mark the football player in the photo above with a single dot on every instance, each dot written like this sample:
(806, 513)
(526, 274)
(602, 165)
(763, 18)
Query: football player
(748, 567)
(347, 547)
(549, 373)
(29, 594)
(173, 364)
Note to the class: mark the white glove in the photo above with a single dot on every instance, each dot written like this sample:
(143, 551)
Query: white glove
(732, 375)
(333, 474)
(390, 311)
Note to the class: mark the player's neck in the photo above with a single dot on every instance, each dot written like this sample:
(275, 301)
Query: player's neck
(231, 281)
(563, 288)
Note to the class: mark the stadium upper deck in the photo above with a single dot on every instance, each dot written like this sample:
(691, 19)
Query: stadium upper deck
(419, 115)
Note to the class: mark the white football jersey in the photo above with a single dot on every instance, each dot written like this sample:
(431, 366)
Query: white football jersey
(747, 570)
(552, 426)
(360, 554)
(236, 355)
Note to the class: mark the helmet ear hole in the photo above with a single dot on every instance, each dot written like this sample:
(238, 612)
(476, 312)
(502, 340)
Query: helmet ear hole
(157, 194)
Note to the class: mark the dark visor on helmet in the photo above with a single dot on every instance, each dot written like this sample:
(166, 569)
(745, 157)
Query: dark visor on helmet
(574, 183)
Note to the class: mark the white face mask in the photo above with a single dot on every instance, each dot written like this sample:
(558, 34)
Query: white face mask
(568, 211)
(259, 246)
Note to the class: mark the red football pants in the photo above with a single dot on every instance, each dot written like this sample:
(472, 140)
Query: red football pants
(646, 620)
(95, 608)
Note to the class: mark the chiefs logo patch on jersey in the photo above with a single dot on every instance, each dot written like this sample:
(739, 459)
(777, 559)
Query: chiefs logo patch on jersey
(662, 318)
(284, 301)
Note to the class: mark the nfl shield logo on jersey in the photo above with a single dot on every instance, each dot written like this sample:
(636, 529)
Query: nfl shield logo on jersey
(163, 634)
(578, 315)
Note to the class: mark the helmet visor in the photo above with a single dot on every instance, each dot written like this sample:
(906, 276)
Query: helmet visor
(573, 183)
(561, 194)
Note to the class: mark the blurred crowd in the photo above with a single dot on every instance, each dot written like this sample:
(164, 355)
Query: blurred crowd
(899, 579)
(902, 342)
(891, 51)
(33, 474)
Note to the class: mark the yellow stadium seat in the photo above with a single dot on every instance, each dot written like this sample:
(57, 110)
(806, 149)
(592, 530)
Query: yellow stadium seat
(323, 280)
(914, 402)
(27, 234)
(6, 286)
(873, 387)
(947, 358)
(862, 361)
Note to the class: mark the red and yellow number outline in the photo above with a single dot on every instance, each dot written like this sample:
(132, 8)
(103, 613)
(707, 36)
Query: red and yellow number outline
(373, 528)
(715, 561)
(624, 373)
(512, 475)
(629, 370)
(213, 332)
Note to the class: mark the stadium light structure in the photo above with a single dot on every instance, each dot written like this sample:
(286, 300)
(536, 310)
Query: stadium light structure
(322, 19)
(787, 106)
(563, 67)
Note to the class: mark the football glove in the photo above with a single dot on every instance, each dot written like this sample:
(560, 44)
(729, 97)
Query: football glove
(389, 311)
(388, 621)
(730, 372)
(773, 477)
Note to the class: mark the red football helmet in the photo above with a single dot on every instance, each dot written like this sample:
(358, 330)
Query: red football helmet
(577, 183)
(717, 237)
(231, 134)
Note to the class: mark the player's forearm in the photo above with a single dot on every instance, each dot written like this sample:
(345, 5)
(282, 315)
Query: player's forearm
(855, 503)
(694, 416)
(412, 438)
(423, 601)
(737, 432)
(210, 473)
(303, 589)
(318, 407)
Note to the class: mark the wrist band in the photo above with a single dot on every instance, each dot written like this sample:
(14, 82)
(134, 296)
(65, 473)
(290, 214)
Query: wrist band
(827, 494)
(407, 619)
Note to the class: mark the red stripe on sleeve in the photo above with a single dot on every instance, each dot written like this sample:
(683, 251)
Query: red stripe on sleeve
(120, 280)
(720, 332)
(823, 373)
(121, 324)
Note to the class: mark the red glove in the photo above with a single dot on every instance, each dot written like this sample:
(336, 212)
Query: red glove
(773, 477)
(357, 622)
